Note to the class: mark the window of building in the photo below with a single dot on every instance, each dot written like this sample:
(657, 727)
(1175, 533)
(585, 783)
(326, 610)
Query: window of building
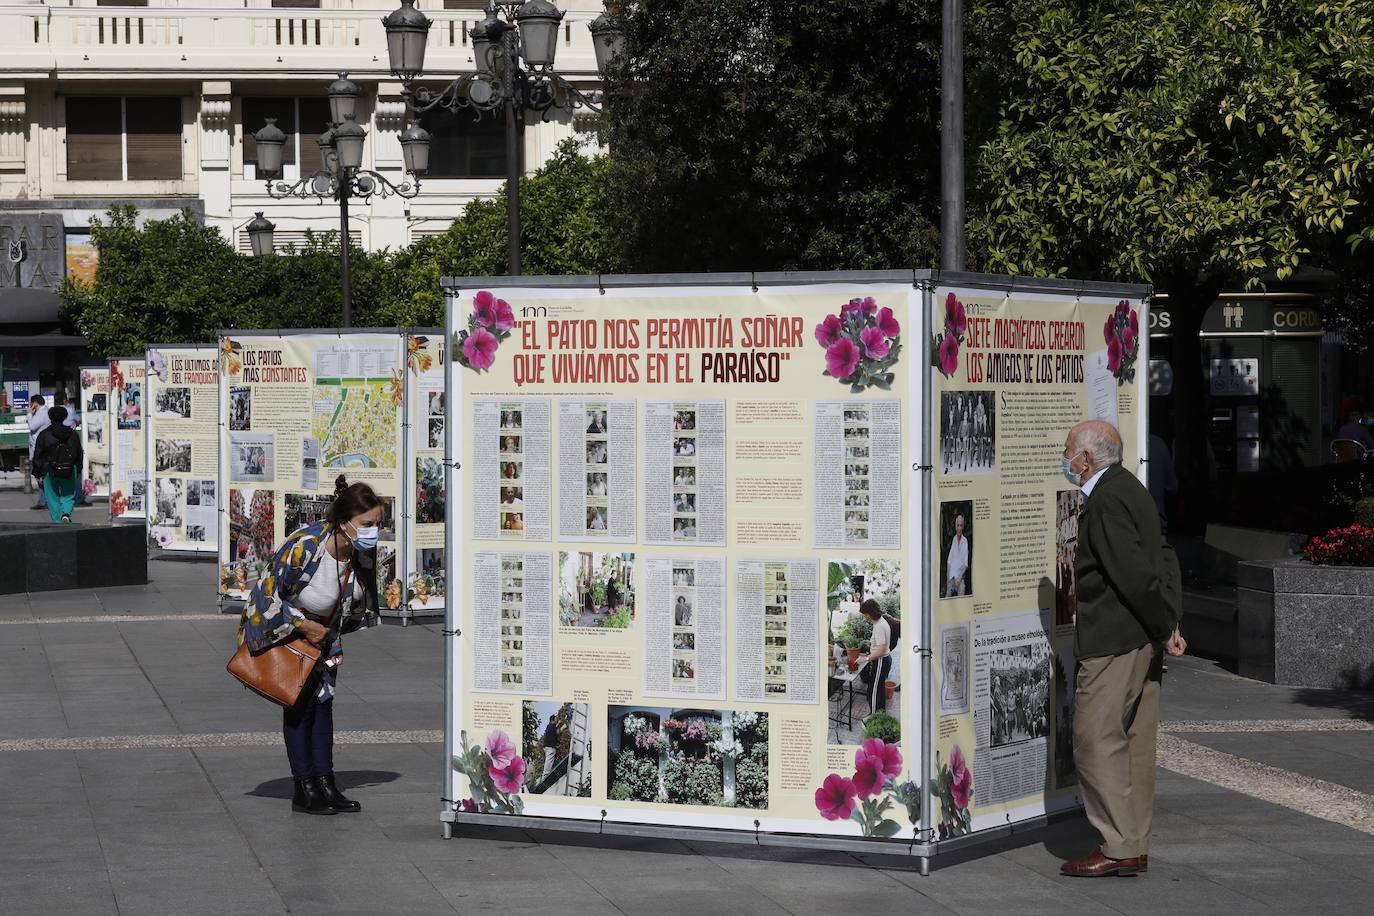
(121, 2)
(475, 5)
(123, 138)
(301, 119)
(296, 4)
(462, 146)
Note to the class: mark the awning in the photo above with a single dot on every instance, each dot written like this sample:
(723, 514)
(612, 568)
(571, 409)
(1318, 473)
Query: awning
(29, 306)
(42, 340)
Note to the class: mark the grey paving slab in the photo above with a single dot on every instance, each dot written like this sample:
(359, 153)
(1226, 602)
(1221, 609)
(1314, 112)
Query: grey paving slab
(351, 891)
(231, 889)
(548, 893)
(57, 892)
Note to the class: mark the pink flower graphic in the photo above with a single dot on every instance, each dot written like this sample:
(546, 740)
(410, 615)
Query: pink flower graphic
(480, 349)
(962, 787)
(949, 354)
(866, 306)
(1113, 354)
(829, 330)
(1128, 340)
(470, 805)
(508, 778)
(887, 323)
(1122, 308)
(1109, 329)
(955, 317)
(500, 750)
(868, 776)
(505, 318)
(1135, 322)
(484, 309)
(875, 344)
(835, 797)
(888, 756)
(842, 358)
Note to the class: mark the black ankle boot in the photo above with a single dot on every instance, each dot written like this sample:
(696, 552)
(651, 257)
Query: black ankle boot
(309, 799)
(336, 798)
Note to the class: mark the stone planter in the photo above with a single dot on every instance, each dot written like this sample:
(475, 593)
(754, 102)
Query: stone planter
(1304, 625)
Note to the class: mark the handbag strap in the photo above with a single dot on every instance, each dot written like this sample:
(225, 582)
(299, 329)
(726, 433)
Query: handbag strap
(336, 619)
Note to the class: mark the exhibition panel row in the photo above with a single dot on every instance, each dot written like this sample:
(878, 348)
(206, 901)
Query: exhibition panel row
(226, 449)
(778, 558)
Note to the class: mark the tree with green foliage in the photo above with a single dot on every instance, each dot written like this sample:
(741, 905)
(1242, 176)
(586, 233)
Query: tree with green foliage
(1187, 143)
(774, 134)
(177, 281)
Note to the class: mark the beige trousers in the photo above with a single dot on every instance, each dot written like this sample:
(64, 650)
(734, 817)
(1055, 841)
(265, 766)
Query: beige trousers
(1116, 720)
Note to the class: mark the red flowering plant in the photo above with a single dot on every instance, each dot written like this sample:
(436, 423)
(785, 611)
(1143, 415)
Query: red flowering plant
(1349, 546)
(495, 774)
(867, 796)
(944, 346)
(1122, 334)
(488, 326)
(861, 345)
(953, 786)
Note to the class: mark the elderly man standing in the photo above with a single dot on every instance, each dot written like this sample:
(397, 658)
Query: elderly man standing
(1129, 605)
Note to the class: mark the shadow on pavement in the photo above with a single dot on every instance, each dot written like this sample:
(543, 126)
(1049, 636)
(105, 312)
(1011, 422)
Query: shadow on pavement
(346, 779)
(1358, 704)
(1065, 839)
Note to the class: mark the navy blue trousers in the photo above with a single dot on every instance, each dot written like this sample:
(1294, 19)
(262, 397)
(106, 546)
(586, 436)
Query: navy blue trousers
(309, 733)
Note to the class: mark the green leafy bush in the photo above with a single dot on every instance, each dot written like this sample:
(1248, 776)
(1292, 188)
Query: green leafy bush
(692, 781)
(751, 781)
(617, 620)
(881, 725)
(639, 775)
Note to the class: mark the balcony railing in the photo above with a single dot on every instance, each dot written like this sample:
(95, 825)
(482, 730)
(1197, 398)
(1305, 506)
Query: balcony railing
(177, 41)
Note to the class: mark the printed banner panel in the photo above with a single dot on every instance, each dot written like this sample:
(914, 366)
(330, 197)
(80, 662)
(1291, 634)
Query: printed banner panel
(670, 505)
(183, 448)
(96, 431)
(1011, 375)
(124, 425)
(297, 411)
(425, 574)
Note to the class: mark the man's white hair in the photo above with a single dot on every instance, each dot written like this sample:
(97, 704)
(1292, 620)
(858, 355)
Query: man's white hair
(1102, 439)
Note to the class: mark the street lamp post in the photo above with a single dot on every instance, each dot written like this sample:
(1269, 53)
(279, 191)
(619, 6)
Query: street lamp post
(513, 52)
(341, 176)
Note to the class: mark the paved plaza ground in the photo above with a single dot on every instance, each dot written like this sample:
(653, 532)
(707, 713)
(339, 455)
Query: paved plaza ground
(135, 778)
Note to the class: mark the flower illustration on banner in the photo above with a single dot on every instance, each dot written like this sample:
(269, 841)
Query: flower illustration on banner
(1122, 335)
(488, 326)
(88, 486)
(952, 784)
(157, 364)
(229, 351)
(416, 357)
(116, 376)
(87, 378)
(944, 346)
(159, 537)
(396, 387)
(494, 772)
(868, 795)
(861, 344)
(119, 504)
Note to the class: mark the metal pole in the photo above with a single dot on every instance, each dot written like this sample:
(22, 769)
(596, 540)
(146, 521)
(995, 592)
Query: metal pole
(344, 284)
(512, 187)
(952, 136)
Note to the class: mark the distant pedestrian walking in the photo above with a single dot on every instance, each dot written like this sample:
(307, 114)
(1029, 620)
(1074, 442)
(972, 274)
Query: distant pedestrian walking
(1129, 605)
(322, 580)
(38, 421)
(57, 464)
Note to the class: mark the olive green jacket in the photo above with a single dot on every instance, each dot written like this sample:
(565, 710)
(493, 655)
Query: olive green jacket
(1130, 589)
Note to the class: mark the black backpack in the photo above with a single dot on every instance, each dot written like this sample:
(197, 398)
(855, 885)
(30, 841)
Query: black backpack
(62, 462)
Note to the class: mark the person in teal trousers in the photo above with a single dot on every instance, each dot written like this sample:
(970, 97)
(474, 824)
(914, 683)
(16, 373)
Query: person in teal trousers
(57, 463)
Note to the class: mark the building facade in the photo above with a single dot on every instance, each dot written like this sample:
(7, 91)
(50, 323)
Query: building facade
(155, 102)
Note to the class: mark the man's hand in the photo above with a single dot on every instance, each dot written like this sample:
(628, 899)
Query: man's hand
(1176, 644)
(313, 632)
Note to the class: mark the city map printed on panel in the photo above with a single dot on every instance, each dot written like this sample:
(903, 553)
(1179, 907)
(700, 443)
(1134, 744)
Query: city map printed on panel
(356, 424)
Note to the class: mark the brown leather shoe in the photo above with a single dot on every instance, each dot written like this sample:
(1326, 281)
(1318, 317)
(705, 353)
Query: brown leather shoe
(1097, 865)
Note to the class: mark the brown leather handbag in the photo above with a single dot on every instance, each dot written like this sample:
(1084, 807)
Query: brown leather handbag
(281, 672)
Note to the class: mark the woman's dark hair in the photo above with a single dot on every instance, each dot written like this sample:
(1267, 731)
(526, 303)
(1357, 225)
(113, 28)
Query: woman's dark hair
(351, 500)
(871, 609)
